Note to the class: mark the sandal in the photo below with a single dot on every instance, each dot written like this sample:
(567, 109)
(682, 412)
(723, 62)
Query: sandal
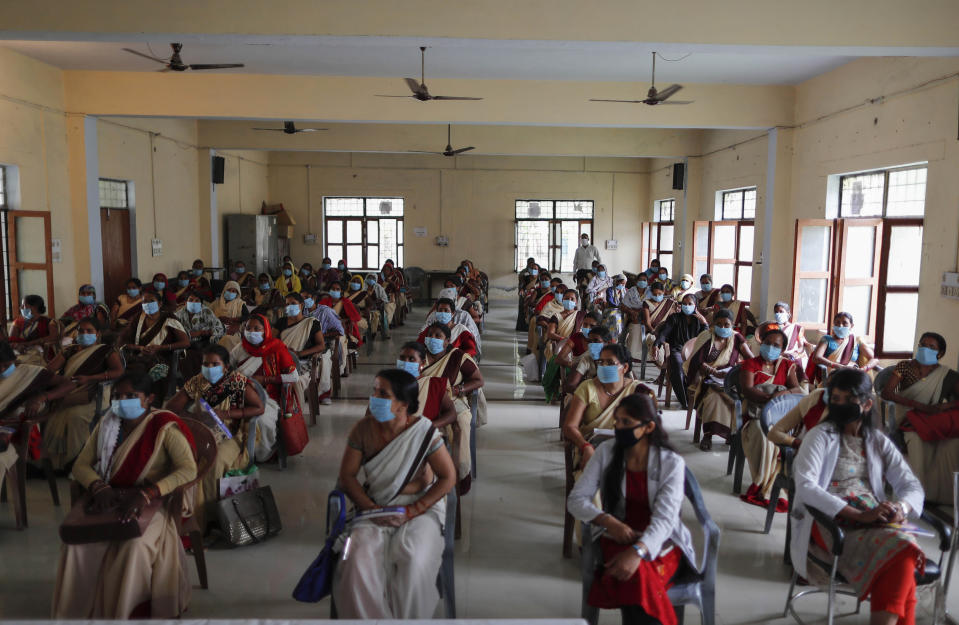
(706, 444)
(782, 505)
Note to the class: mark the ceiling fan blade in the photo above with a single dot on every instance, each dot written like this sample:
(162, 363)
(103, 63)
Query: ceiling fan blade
(381, 95)
(621, 101)
(461, 150)
(422, 152)
(414, 86)
(668, 92)
(270, 129)
(675, 102)
(146, 56)
(450, 97)
(310, 129)
(216, 65)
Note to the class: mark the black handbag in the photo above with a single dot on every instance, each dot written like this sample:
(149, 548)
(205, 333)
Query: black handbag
(249, 517)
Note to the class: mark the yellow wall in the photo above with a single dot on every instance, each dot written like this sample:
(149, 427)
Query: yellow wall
(478, 200)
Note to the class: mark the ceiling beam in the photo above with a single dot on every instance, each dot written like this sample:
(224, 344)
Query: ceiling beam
(333, 98)
(920, 23)
(487, 139)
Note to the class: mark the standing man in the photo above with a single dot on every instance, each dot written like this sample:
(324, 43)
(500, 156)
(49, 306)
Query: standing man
(585, 255)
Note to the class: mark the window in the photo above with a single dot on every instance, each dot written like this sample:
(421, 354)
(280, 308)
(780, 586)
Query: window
(114, 193)
(549, 231)
(738, 204)
(658, 236)
(364, 231)
(664, 210)
(867, 261)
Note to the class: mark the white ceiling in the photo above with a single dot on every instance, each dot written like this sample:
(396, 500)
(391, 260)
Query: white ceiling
(464, 58)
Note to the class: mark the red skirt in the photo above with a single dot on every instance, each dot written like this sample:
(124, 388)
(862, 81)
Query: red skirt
(646, 588)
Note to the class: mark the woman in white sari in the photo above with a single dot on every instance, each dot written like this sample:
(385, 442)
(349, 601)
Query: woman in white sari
(564, 324)
(390, 569)
(303, 335)
(596, 289)
(926, 389)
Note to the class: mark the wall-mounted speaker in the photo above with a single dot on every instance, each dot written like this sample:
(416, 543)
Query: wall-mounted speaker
(679, 176)
(218, 164)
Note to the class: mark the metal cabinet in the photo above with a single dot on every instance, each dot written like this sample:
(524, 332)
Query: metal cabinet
(253, 239)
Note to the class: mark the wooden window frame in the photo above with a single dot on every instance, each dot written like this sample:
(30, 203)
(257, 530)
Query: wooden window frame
(885, 191)
(841, 281)
(709, 249)
(16, 266)
(554, 244)
(890, 223)
(736, 262)
(798, 274)
(742, 204)
(364, 220)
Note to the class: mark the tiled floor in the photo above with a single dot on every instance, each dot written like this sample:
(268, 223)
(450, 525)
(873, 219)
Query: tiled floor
(508, 562)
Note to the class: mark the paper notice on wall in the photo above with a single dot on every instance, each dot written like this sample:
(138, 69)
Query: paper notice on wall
(56, 255)
(157, 247)
(419, 232)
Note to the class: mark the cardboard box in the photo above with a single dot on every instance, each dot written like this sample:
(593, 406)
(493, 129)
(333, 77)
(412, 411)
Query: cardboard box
(285, 232)
(283, 218)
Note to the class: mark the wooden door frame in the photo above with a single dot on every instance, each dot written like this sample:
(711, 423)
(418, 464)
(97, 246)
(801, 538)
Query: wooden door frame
(16, 266)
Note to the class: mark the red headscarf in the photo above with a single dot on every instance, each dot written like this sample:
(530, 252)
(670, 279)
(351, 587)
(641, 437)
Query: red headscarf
(168, 296)
(276, 357)
(270, 343)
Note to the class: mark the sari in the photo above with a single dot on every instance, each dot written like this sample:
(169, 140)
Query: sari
(431, 395)
(595, 417)
(167, 297)
(32, 330)
(288, 285)
(450, 366)
(160, 333)
(391, 571)
(232, 311)
(352, 320)
(707, 301)
(127, 308)
(460, 338)
(841, 351)
(68, 425)
(740, 318)
(327, 277)
(711, 404)
(299, 337)
(143, 576)
(545, 309)
(464, 318)
(25, 382)
(803, 417)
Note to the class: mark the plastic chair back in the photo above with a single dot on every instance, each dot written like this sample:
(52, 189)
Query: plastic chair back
(687, 350)
(887, 409)
(776, 409)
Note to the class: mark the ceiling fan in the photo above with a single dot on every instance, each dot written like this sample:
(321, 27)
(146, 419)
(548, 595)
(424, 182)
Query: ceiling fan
(653, 97)
(176, 64)
(449, 151)
(420, 92)
(291, 129)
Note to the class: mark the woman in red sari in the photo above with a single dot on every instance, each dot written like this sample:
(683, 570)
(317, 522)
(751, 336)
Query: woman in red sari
(164, 291)
(641, 481)
(347, 311)
(34, 329)
(266, 359)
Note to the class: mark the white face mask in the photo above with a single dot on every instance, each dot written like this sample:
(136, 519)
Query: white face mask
(585, 242)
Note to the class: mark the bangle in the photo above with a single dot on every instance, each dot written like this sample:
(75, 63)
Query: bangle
(641, 551)
(584, 446)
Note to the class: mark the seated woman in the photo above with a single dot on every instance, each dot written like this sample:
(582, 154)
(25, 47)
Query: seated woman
(264, 358)
(85, 363)
(796, 424)
(395, 284)
(669, 286)
(307, 277)
(842, 469)
(761, 379)
(656, 309)
(288, 281)
(641, 482)
(266, 299)
(583, 366)
(326, 275)
(183, 287)
(839, 350)
(743, 320)
(246, 279)
(464, 377)
(393, 562)
(34, 335)
(151, 341)
(615, 293)
(460, 317)
(678, 329)
(87, 306)
(201, 280)
(203, 327)
(797, 347)
(715, 352)
(575, 345)
(594, 403)
(685, 287)
(345, 274)
(303, 336)
(127, 306)
(354, 325)
(460, 336)
(545, 308)
(926, 394)
(436, 394)
(134, 455)
(369, 298)
(330, 324)
(163, 290)
(232, 397)
(707, 297)
(596, 289)
(231, 310)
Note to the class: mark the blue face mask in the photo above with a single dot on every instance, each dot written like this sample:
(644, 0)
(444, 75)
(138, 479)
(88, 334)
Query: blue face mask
(151, 308)
(927, 356)
(443, 317)
(685, 284)
(380, 409)
(707, 287)
(601, 274)
(769, 353)
(336, 294)
(265, 286)
(585, 330)
(305, 271)
(308, 302)
(327, 265)
(569, 304)
(127, 408)
(544, 284)
(434, 345)
(183, 283)
(158, 285)
(841, 332)
(86, 300)
(229, 296)
(724, 333)
(726, 297)
(197, 272)
(86, 340)
(657, 298)
(371, 281)
(241, 270)
(133, 292)
(413, 368)
(255, 338)
(534, 272)
(782, 318)
(595, 349)
(212, 374)
(355, 286)
(287, 272)
(689, 309)
(6, 373)
(607, 374)
(620, 287)
(26, 313)
(341, 266)
(663, 278)
(641, 284)
(194, 307)
(292, 310)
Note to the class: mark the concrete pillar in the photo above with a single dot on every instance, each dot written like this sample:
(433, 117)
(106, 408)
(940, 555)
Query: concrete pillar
(772, 254)
(84, 171)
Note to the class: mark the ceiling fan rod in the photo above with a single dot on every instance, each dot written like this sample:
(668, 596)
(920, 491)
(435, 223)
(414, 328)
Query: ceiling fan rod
(422, 65)
(654, 70)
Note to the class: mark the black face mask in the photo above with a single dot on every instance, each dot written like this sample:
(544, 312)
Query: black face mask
(844, 414)
(625, 437)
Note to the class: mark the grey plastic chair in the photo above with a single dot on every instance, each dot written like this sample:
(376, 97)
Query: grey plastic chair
(737, 457)
(693, 584)
(773, 411)
(445, 579)
(887, 409)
